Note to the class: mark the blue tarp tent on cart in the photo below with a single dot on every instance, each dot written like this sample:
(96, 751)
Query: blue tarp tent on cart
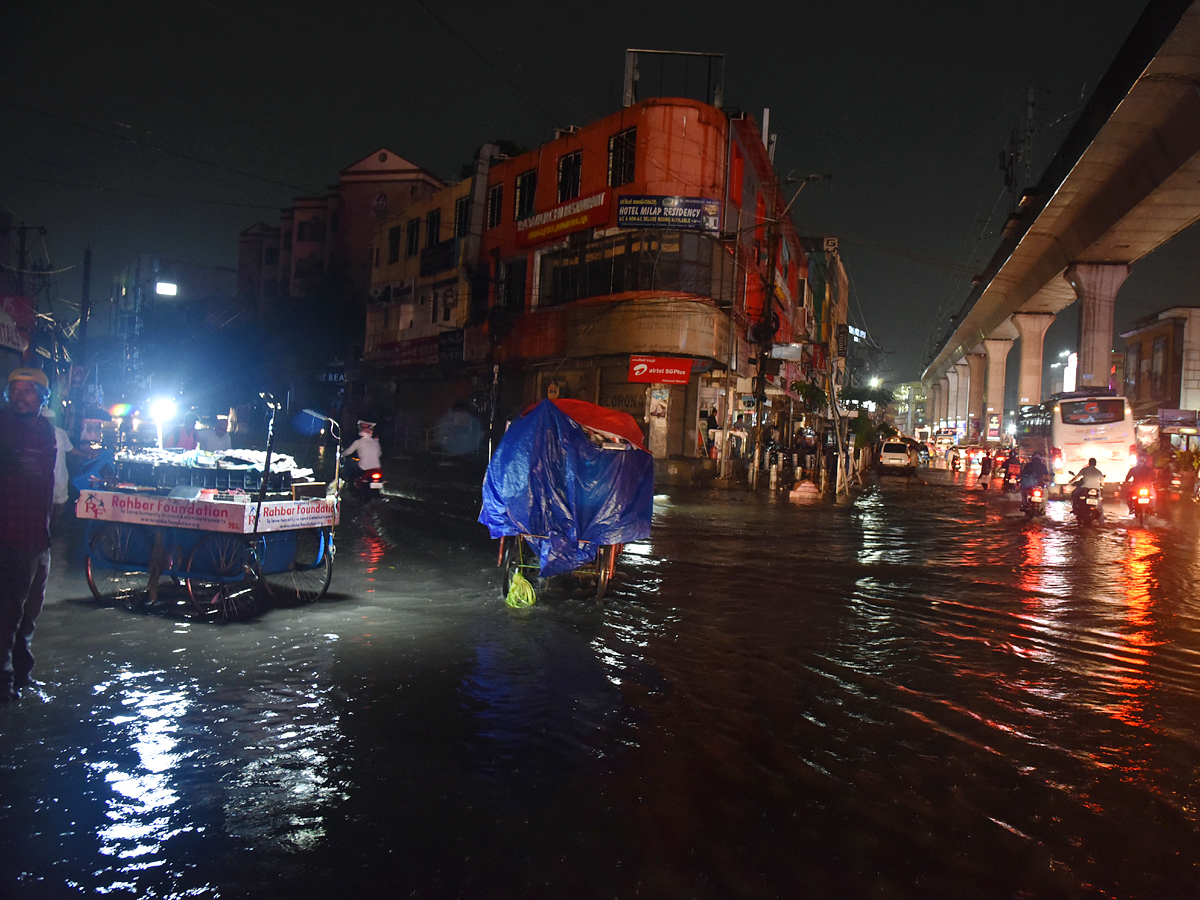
(550, 482)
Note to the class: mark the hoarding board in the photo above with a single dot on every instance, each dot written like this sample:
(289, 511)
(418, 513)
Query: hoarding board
(575, 215)
(676, 213)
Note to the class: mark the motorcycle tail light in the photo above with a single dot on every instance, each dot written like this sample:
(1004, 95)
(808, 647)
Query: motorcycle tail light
(1056, 460)
(377, 476)
(1143, 492)
(1037, 493)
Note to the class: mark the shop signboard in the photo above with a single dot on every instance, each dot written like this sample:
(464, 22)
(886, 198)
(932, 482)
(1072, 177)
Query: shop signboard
(660, 369)
(206, 515)
(575, 215)
(993, 429)
(675, 213)
(843, 340)
(16, 321)
(10, 337)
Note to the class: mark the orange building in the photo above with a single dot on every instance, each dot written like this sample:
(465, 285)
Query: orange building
(641, 242)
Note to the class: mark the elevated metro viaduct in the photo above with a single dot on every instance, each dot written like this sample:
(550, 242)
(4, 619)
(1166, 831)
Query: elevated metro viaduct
(1125, 181)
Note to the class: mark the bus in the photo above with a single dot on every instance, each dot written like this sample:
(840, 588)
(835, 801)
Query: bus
(1069, 428)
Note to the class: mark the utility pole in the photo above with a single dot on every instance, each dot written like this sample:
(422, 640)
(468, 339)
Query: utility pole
(85, 309)
(21, 231)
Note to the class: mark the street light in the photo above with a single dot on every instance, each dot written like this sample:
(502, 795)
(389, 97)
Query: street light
(162, 409)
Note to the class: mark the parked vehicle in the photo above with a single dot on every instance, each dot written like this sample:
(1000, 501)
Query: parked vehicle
(893, 459)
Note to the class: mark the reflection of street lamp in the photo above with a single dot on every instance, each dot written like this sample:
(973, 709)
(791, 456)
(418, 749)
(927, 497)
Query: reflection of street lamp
(162, 409)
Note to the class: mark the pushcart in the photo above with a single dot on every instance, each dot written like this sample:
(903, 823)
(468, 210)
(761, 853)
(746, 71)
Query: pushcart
(569, 485)
(226, 554)
(227, 535)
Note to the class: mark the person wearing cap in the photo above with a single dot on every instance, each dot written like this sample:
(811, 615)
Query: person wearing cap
(370, 455)
(27, 456)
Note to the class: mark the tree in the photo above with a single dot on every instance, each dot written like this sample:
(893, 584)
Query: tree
(812, 396)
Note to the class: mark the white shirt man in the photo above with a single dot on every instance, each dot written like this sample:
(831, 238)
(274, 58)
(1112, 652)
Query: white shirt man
(368, 450)
(215, 439)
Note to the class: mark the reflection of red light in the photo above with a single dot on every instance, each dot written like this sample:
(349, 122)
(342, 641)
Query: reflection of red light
(1138, 581)
(371, 550)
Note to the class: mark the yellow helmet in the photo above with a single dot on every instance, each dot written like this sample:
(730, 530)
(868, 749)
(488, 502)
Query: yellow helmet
(35, 376)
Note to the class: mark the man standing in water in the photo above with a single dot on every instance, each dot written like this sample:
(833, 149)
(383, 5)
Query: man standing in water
(27, 453)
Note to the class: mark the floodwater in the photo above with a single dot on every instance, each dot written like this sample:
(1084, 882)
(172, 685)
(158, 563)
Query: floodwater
(914, 694)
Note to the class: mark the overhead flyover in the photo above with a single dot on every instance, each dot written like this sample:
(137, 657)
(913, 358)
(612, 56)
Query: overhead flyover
(1124, 182)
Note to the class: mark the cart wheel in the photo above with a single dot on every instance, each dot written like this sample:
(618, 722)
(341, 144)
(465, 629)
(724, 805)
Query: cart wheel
(605, 558)
(308, 573)
(221, 577)
(116, 565)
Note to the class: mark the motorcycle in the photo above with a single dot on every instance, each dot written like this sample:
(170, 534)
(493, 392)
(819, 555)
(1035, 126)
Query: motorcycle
(1142, 502)
(1033, 502)
(1012, 474)
(1086, 507)
(368, 483)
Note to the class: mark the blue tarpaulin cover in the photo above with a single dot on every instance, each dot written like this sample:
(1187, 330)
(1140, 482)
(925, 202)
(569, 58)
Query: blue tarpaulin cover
(549, 482)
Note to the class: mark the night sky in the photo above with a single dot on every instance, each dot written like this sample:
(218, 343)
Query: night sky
(167, 129)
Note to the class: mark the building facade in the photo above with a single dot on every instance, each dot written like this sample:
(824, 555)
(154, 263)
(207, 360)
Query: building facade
(1162, 362)
(654, 239)
(327, 240)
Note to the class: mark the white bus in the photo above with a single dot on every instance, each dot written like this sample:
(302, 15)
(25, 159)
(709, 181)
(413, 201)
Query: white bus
(1069, 428)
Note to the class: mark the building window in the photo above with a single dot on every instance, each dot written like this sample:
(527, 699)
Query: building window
(462, 216)
(312, 230)
(1158, 367)
(1133, 359)
(433, 227)
(570, 166)
(526, 188)
(622, 153)
(737, 176)
(394, 245)
(271, 256)
(413, 243)
(495, 203)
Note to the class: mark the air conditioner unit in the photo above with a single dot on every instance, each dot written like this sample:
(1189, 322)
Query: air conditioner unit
(830, 245)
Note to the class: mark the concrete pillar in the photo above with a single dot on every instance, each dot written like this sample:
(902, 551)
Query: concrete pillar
(943, 401)
(997, 350)
(952, 397)
(976, 363)
(1032, 329)
(960, 398)
(1096, 286)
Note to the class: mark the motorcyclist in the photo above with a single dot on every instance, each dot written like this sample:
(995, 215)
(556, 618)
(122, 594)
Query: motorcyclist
(1033, 474)
(367, 447)
(1141, 475)
(1087, 478)
(952, 458)
(1012, 468)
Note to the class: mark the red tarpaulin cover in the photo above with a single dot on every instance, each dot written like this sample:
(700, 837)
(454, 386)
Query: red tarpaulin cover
(601, 418)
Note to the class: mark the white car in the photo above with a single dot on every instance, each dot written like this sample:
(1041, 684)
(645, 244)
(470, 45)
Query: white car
(893, 458)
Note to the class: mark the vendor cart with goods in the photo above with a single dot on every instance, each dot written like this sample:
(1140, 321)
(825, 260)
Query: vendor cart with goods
(229, 528)
(569, 485)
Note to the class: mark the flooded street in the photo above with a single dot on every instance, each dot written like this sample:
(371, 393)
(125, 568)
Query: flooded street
(911, 694)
